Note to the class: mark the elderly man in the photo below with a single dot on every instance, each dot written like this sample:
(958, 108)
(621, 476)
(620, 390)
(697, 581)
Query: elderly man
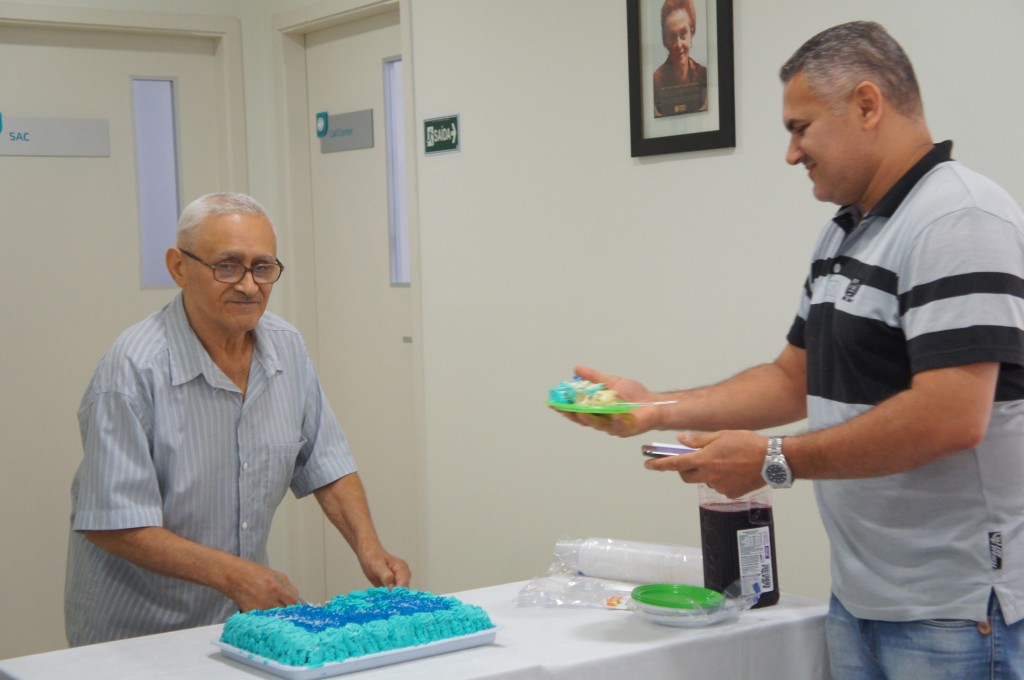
(194, 425)
(906, 357)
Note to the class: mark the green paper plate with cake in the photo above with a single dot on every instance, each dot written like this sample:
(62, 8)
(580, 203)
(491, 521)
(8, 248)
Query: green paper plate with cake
(583, 396)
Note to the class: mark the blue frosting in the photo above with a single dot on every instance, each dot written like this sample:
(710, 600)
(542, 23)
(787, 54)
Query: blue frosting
(347, 609)
(573, 391)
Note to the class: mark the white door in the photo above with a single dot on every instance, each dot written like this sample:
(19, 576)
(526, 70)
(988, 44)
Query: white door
(365, 328)
(71, 275)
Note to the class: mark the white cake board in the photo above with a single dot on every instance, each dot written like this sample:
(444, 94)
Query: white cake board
(359, 663)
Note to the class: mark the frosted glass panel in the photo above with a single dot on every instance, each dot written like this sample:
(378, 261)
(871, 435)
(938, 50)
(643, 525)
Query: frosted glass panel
(398, 214)
(156, 169)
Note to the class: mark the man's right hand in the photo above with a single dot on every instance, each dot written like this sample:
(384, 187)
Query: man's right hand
(253, 586)
(249, 584)
(637, 421)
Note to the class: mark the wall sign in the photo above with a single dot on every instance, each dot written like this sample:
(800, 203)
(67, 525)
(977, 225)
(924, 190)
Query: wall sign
(54, 137)
(345, 131)
(441, 135)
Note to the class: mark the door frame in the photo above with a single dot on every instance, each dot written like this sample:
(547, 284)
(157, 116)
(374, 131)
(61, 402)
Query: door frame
(297, 125)
(226, 31)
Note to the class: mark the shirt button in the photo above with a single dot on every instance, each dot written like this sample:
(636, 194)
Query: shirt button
(245, 466)
(836, 268)
(245, 525)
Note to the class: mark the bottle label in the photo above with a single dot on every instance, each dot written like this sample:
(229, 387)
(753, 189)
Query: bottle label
(755, 553)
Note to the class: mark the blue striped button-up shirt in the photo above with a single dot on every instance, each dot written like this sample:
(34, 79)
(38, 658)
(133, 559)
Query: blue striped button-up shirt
(170, 441)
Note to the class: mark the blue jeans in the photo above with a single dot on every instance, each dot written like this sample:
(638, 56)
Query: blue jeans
(940, 649)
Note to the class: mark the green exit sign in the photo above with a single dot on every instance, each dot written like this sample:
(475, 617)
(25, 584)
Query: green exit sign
(441, 135)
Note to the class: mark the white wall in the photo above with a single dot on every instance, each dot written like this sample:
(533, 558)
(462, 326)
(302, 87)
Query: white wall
(544, 244)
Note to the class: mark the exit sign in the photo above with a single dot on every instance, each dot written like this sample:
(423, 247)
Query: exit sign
(441, 135)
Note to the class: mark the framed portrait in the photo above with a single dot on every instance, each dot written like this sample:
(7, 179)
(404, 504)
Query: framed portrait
(680, 76)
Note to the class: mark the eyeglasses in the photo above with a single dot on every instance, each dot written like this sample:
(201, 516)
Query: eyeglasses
(233, 272)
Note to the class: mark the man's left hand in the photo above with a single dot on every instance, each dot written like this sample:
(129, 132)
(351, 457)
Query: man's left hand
(384, 569)
(729, 461)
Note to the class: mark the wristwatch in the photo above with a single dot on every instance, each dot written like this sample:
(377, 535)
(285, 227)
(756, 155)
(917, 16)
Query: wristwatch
(776, 470)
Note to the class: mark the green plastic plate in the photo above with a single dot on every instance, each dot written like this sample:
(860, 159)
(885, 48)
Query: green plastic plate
(677, 596)
(618, 407)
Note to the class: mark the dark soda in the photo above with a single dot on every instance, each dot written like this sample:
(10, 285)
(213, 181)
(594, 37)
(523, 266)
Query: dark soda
(724, 546)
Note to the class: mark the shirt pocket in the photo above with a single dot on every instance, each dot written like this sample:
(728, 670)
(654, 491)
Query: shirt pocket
(280, 470)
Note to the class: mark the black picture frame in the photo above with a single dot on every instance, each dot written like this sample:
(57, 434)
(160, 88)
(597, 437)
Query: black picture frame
(713, 128)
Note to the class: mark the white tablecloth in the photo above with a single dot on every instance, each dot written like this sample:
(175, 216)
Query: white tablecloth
(784, 641)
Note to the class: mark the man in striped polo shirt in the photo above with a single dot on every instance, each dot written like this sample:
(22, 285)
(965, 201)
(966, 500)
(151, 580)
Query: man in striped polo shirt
(195, 424)
(907, 359)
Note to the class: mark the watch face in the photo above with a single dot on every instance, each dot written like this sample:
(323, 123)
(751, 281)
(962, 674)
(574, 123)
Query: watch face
(776, 474)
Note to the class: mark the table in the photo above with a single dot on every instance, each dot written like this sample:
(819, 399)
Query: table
(533, 643)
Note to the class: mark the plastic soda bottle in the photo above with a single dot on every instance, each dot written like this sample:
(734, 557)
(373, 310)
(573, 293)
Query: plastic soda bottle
(738, 543)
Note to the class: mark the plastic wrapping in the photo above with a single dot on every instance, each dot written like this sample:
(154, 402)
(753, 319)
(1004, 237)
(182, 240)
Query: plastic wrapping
(574, 590)
(630, 561)
(661, 583)
(602, 572)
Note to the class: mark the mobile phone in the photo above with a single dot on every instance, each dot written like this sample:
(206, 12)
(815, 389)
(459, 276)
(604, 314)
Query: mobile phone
(662, 450)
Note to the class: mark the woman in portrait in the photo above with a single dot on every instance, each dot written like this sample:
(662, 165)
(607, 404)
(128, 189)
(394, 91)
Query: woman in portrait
(680, 84)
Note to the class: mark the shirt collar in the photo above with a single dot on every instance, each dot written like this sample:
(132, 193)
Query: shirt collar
(188, 357)
(849, 216)
(185, 351)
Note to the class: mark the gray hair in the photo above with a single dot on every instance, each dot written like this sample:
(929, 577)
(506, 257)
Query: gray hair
(201, 209)
(838, 59)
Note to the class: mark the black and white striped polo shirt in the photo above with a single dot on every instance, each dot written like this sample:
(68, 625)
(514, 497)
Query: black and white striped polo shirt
(933, 277)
